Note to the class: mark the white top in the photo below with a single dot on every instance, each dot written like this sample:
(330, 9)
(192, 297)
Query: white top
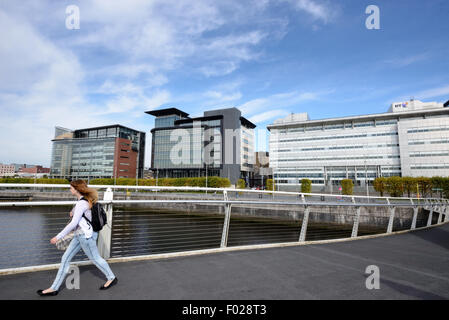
(81, 207)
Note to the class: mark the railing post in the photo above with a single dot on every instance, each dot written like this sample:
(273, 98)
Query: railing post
(429, 220)
(305, 221)
(426, 204)
(440, 213)
(446, 214)
(105, 235)
(225, 233)
(415, 217)
(390, 222)
(355, 227)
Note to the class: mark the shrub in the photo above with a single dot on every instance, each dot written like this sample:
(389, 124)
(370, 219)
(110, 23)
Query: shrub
(347, 187)
(217, 182)
(241, 184)
(271, 185)
(213, 182)
(105, 181)
(306, 186)
(32, 180)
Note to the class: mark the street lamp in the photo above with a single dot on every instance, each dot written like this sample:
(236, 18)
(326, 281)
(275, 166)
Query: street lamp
(366, 181)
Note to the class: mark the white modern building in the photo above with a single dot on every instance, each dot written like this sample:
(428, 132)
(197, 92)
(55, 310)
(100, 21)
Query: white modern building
(411, 139)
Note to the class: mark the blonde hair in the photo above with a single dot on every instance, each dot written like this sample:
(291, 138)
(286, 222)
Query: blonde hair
(90, 194)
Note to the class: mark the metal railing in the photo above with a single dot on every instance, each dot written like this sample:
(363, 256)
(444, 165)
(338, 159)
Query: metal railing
(139, 227)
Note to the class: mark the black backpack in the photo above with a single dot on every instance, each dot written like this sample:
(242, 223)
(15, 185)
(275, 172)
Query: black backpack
(99, 218)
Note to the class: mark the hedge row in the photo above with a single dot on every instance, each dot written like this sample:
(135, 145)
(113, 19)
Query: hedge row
(212, 182)
(32, 180)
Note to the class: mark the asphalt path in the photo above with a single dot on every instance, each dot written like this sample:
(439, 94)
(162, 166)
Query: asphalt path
(414, 265)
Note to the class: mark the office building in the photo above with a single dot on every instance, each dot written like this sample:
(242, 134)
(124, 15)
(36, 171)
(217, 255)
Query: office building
(221, 143)
(410, 139)
(111, 151)
(7, 170)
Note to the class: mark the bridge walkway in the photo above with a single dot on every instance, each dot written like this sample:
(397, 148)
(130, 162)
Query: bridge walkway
(413, 265)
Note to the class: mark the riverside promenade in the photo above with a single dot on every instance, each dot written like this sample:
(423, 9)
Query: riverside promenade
(412, 265)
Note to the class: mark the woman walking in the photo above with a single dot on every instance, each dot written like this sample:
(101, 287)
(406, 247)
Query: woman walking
(84, 238)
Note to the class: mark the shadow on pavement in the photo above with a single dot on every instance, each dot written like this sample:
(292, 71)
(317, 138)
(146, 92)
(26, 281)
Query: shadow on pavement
(409, 291)
(438, 236)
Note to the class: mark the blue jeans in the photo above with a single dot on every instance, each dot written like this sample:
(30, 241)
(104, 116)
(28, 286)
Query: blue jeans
(89, 247)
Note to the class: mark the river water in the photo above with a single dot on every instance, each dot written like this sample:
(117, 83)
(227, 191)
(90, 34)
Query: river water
(25, 233)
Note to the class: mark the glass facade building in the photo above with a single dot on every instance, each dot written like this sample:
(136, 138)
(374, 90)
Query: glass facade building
(103, 152)
(196, 147)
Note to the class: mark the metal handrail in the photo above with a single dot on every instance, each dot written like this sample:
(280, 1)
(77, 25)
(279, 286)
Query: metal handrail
(300, 194)
(439, 206)
(222, 202)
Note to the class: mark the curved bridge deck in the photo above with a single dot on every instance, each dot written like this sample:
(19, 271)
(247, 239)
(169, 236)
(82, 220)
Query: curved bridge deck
(414, 265)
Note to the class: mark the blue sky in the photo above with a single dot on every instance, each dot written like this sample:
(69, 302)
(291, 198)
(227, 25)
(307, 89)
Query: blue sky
(267, 57)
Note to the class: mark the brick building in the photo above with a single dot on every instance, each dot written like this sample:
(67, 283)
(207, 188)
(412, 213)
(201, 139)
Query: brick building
(100, 152)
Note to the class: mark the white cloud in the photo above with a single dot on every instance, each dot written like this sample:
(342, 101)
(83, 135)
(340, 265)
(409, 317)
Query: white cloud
(136, 103)
(281, 100)
(434, 93)
(425, 95)
(40, 89)
(218, 68)
(318, 10)
(123, 52)
(407, 60)
(268, 115)
(222, 97)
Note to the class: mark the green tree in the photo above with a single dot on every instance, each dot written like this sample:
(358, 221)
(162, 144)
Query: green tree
(241, 184)
(347, 186)
(380, 185)
(409, 185)
(395, 186)
(425, 185)
(438, 184)
(445, 187)
(306, 186)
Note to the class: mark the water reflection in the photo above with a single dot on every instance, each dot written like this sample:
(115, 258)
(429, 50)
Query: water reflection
(25, 233)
